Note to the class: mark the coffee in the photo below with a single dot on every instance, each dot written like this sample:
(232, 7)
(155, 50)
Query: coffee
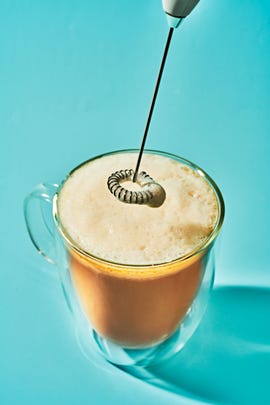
(125, 260)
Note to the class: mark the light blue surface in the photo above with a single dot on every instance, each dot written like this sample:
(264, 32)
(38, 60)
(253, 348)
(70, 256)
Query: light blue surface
(76, 80)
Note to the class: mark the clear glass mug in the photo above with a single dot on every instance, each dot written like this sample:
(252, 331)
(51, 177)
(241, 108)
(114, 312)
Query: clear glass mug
(132, 315)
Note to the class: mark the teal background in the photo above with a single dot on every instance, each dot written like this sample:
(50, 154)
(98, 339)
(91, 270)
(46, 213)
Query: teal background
(76, 80)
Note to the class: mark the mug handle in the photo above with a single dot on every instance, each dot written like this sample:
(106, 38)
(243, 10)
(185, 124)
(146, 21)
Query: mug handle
(39, 219)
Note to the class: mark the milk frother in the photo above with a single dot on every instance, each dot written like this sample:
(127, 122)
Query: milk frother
(176, 11)
(152, 193)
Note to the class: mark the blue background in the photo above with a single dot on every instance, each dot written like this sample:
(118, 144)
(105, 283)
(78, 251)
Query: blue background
(76, 80)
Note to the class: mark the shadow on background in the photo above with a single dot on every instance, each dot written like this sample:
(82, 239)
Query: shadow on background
(228, 358)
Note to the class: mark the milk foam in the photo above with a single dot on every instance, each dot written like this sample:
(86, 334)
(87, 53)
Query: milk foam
(137, 234)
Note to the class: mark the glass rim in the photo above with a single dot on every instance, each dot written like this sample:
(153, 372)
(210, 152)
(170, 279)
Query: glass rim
(196, 251)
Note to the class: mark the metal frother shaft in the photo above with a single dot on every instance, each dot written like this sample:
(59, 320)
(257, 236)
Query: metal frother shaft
(175, 11)
(153, 102)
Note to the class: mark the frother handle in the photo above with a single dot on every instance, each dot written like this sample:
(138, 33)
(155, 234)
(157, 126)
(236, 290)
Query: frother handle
(179, 8)
(39, 220)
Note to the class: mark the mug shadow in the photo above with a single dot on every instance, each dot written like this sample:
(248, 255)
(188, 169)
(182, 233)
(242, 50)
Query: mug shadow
(227, 360)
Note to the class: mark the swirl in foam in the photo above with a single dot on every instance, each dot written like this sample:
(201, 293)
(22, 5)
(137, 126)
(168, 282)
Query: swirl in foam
(137, 234)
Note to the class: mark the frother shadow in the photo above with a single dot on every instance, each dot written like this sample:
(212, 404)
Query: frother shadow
(228, 358)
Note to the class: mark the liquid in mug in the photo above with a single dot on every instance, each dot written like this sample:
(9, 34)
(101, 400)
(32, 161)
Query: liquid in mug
(124, 258)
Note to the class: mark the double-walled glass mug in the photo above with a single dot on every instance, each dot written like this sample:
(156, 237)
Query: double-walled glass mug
(131, 314)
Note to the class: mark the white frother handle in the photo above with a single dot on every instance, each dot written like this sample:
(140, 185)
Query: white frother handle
(179, 8)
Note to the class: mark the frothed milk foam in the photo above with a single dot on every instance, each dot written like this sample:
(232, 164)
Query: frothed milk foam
(140, 307)
(137, 234)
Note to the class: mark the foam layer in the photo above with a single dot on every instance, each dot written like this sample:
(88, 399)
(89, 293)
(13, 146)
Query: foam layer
(137, 234)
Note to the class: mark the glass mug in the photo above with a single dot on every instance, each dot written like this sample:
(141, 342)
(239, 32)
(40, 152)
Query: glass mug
(131, 314)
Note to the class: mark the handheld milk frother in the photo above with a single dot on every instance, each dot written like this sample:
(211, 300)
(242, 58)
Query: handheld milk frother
(176, 11)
